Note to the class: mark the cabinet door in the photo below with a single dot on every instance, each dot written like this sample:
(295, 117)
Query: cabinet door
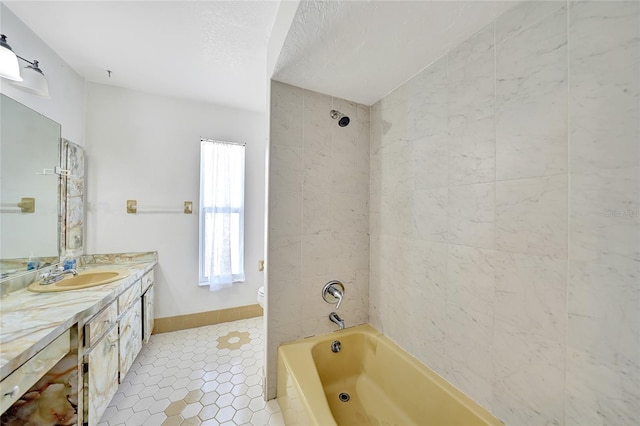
(147, 314)
(101, 376)
(130, 336)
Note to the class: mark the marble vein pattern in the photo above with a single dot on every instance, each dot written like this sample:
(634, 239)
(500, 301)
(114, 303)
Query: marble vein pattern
(538, 222)
(471, 215)
(31, 320)
(471, 86)
(52, 400)
(604, 86)
(529, 374)
(531, 216)
(130, 336)
(531, 293)
(103, 375)
(531, 88)
(72, 196)
(603, 327)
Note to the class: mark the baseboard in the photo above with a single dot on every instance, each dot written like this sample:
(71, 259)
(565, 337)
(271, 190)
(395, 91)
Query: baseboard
(182, 322)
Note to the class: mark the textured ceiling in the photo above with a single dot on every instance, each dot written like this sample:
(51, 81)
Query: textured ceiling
(362, 50)
(211, 51)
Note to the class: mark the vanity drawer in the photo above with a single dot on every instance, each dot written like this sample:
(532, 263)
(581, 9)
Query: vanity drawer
(126, 299)
(99, 324)
(147, 280)
(21, 380)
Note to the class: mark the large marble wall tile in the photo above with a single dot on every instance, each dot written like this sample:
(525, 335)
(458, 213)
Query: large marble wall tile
(315, 219)
(531, 216)
(349, 253)
(428, 100)
(531, 293)
(317, 141)
(529, 377)
(284, 257)
(471, 279)
(604, 59)
(531, 101)
(468, 341)
(286, 114)
(603, 319)
(350, 212)
(396, 214)
(285, 213)
(430, 214)
(348, 174)
(597, 393)
(316, 255)
(471, 215)
(428, 283)
(605, 216)
(397, 166)
(471, 87)
(431, 162)
(286, 163)
(459, 375)
(524, 16)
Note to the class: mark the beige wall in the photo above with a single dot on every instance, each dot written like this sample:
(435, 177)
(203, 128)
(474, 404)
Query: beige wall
(318, 216)
(505, 228)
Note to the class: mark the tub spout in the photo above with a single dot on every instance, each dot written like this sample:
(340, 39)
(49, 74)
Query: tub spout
(336, 320)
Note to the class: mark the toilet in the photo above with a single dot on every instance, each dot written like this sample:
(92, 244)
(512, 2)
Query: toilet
(261, 296)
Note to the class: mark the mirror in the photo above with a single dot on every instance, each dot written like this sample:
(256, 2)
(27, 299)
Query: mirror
(29, 155)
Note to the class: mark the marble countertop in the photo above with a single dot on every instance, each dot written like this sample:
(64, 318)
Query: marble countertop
(30, 321)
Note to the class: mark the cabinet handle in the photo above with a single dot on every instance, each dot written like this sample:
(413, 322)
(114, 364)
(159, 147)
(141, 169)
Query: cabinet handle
(15, 391)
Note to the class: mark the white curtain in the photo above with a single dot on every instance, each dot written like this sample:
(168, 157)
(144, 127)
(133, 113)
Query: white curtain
(221, 214)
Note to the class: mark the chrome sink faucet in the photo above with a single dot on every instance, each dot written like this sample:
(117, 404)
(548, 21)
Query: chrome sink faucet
(55, 276)
(336, 320)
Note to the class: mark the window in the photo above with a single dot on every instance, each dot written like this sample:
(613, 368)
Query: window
(221, 213)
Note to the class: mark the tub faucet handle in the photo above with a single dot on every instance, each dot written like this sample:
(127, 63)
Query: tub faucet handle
(333, 292)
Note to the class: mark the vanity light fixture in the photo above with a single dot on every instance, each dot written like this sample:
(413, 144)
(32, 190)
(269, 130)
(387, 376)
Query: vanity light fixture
(31, 79)
(9, 67)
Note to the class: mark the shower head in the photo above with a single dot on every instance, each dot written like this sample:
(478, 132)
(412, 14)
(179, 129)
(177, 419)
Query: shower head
(343, 120)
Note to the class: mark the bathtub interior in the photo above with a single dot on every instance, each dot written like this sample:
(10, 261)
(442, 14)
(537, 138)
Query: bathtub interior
(385, 385)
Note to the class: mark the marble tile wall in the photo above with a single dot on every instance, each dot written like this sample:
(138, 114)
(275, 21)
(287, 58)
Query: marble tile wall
(505, 214)
(318, 216)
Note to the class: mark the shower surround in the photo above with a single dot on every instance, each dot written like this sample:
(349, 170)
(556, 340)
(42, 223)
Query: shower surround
(318, 216)
(505, 228)
(503, 197)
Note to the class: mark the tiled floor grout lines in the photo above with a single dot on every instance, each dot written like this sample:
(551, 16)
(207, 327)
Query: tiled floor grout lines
(202, 376)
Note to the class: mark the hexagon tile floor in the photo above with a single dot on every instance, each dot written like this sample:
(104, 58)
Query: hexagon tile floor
(202, 376)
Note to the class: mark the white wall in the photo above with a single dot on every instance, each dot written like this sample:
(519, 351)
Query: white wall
(505, 225)
(147, 148)
(66, 87)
